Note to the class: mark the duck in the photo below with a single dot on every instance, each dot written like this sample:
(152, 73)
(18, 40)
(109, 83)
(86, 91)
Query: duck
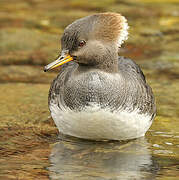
(98, 94)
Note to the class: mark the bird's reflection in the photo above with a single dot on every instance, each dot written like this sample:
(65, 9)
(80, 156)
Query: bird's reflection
(78, 159)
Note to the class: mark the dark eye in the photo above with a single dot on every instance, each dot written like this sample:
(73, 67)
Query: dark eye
(81, 43)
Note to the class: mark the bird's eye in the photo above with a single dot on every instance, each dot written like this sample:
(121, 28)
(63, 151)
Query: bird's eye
(81, 43)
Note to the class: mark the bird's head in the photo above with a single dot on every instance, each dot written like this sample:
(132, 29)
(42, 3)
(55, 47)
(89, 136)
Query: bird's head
(92, 39)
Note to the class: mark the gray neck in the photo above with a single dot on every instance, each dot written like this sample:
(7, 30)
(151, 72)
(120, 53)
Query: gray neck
(108, 62)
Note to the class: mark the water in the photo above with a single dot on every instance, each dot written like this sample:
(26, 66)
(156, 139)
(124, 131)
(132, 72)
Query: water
(114, 160)
(30, 146)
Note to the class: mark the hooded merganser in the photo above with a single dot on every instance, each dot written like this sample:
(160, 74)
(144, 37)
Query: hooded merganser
(99, 95)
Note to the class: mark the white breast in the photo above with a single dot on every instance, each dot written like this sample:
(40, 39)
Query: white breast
(101, 124)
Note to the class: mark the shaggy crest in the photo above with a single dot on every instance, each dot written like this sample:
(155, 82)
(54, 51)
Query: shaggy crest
(112, 27)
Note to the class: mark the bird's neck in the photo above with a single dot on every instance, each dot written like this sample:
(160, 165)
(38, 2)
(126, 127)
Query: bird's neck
(109, 60)
(108, 64)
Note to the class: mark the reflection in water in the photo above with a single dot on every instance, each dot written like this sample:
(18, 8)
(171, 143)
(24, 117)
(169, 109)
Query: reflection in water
(78, 159)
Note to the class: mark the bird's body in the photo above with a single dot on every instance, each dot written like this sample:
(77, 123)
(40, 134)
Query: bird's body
(100, 96)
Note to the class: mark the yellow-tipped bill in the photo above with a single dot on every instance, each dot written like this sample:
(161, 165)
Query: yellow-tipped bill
(61, 60)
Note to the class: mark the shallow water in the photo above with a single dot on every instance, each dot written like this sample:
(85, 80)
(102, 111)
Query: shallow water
(30, 146)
